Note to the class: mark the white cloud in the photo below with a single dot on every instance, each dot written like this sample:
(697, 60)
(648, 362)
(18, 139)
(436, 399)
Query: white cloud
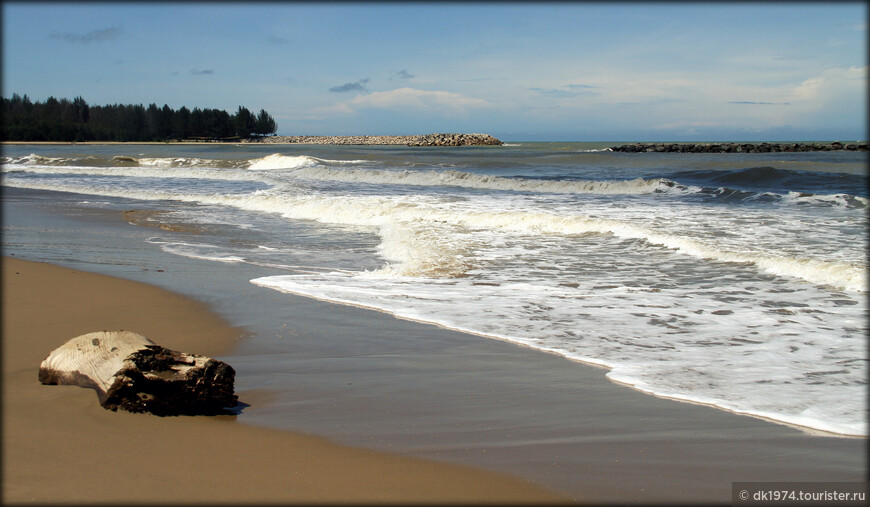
(810, 89)
(832, 81)
(826, 97)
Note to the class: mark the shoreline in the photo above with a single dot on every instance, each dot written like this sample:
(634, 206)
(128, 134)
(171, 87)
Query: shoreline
(49, 432)
(809, 430)
(416, 389)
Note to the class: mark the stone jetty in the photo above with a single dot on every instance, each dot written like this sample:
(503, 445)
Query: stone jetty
(737, 147)
(417, 140)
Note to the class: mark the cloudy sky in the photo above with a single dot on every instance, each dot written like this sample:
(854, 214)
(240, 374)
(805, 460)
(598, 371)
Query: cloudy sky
(560, 71)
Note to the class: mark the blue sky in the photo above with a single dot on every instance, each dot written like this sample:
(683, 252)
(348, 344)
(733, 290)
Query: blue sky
(562, 71)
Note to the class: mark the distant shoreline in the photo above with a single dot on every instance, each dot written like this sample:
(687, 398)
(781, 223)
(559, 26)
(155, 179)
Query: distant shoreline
(487, 140)
(439, 139)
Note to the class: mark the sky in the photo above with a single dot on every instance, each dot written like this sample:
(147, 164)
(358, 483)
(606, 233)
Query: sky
(562, 71)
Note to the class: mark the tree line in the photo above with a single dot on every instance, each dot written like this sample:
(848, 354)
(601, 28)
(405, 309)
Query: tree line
(65, 120)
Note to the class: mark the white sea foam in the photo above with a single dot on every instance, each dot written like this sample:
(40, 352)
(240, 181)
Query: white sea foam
(680, 295)
(33, 158)
(304, 167)
(155, 170)
(414, 237)
(429, 220)
(699, 348)
(315, 171)
(197, 251)
(278, 161)
(831, 199)
(177, 162)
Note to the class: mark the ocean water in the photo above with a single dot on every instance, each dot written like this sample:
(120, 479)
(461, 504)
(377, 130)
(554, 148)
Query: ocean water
(734, 280)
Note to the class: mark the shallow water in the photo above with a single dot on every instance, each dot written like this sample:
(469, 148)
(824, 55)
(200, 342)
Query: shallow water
(736, 280)
(366, 379)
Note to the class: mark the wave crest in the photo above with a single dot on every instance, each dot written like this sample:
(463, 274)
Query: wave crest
(277, 161)
(780, 185)
(315, 171)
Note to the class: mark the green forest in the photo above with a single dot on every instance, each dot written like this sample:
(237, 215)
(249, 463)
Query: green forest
(76, 121)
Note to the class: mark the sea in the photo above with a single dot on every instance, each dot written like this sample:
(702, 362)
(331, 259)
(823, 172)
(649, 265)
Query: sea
(735, 280)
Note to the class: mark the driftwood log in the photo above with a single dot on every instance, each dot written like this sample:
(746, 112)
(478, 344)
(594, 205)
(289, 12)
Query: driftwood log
(132, 373)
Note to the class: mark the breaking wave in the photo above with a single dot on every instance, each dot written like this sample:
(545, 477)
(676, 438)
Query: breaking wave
(780, 185)
(276, 161)
(415, 229)
(454, 178)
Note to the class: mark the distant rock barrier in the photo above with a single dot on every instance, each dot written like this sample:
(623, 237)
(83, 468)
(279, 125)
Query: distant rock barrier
(736, 147)
(456, 140)
(420, 140)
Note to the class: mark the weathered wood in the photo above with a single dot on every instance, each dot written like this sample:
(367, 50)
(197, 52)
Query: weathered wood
(132, 373)
(91, 360)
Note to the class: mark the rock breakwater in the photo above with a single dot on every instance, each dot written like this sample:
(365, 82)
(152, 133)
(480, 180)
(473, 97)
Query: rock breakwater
(417, 140)
(737, 147)
(456, 140)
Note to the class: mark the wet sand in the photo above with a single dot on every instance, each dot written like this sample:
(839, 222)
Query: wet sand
(59, 445)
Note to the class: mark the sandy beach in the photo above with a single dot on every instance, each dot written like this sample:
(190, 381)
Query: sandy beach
(59, 445)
